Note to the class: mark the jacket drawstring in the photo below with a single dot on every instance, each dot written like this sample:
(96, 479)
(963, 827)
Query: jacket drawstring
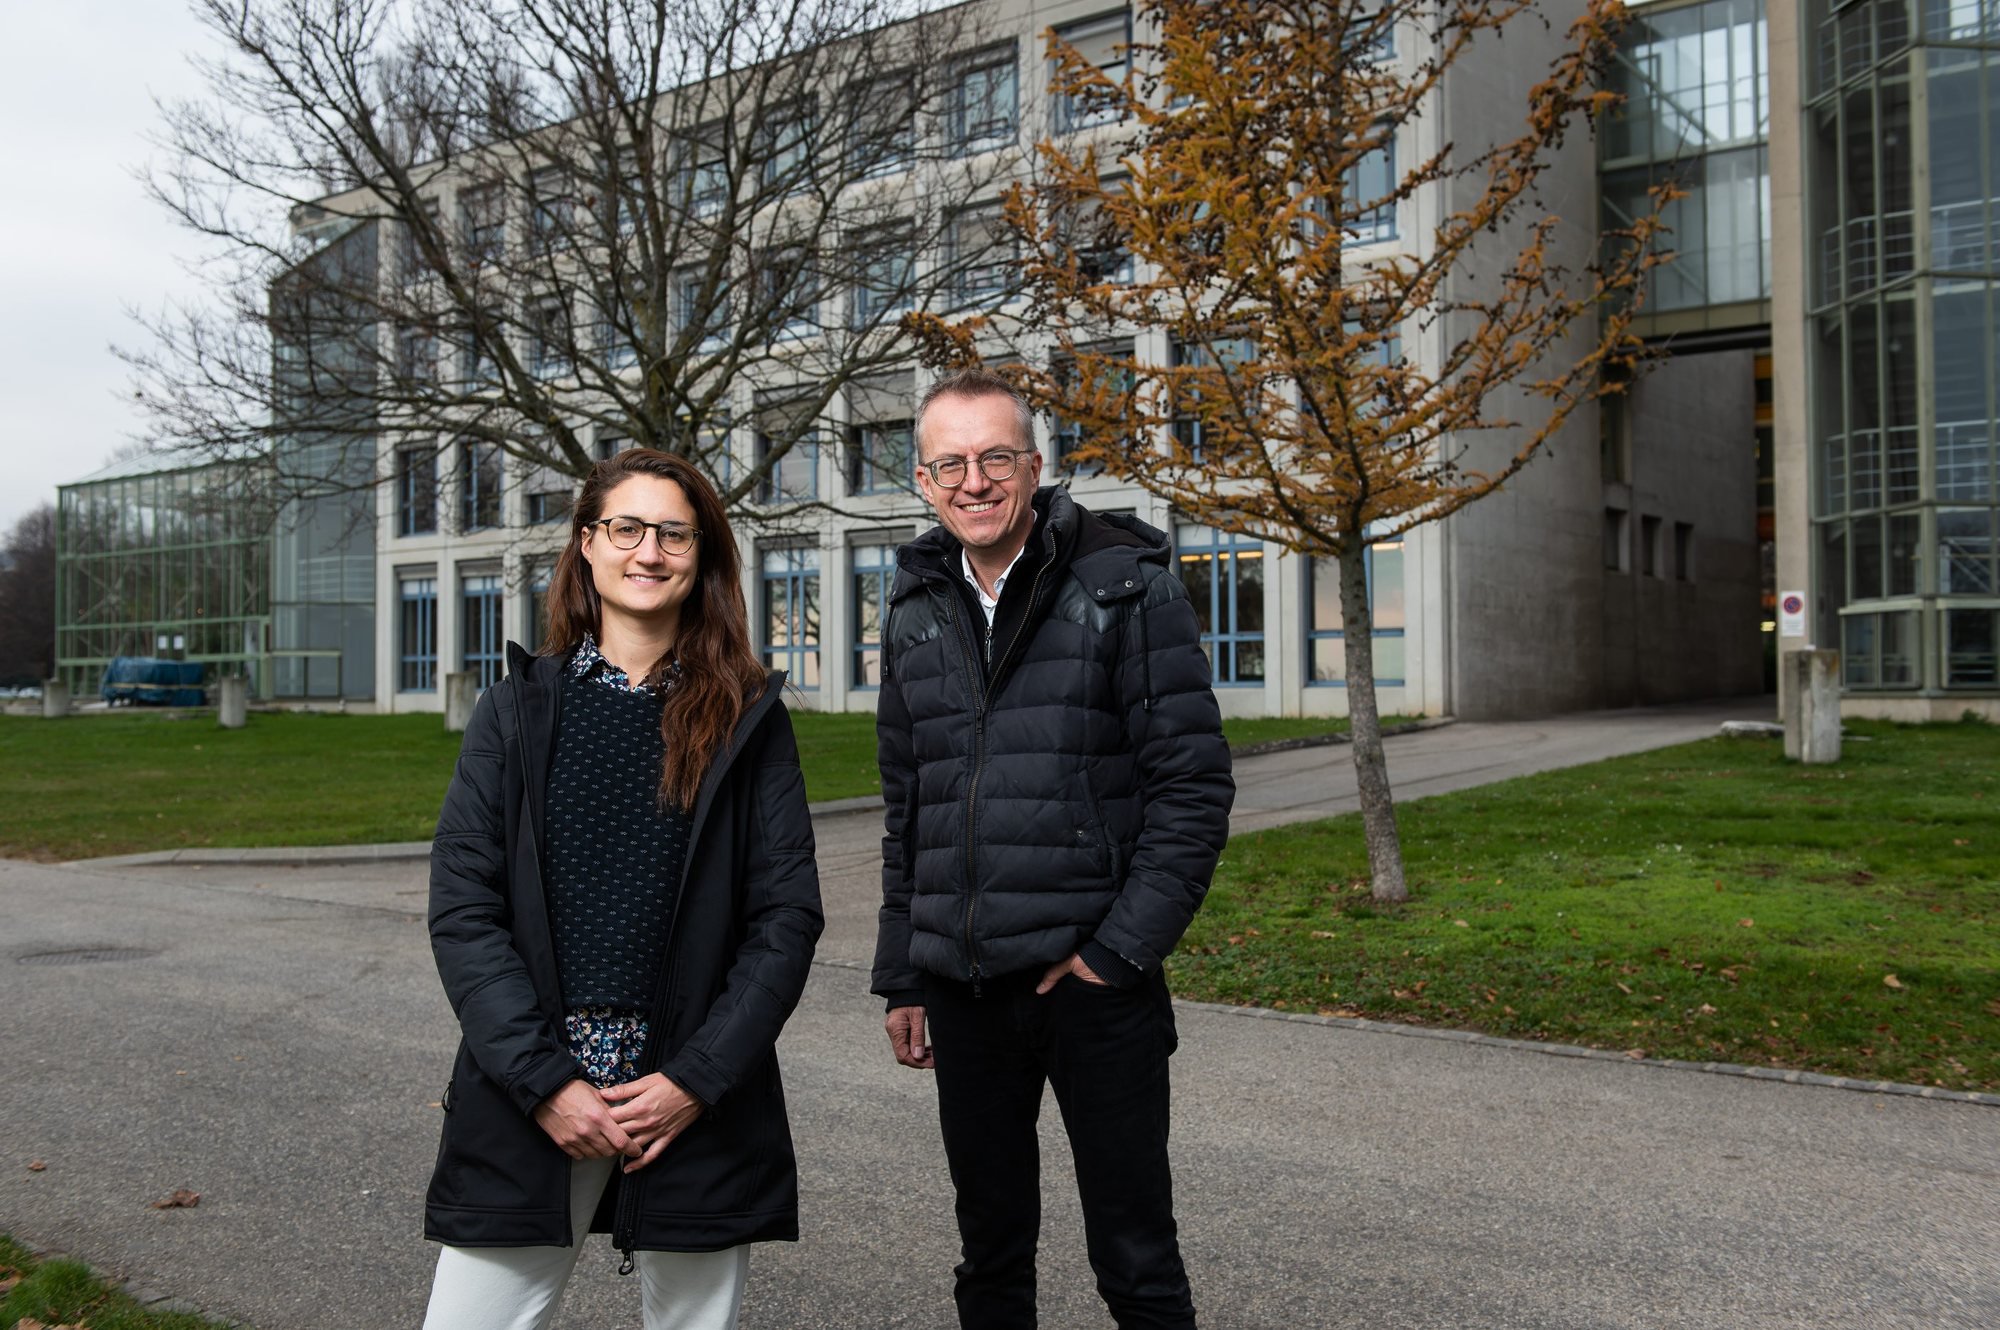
(1145, 660)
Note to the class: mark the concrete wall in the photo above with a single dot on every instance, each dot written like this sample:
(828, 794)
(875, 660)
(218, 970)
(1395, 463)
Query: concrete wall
(1523, 587)
(1680, 633)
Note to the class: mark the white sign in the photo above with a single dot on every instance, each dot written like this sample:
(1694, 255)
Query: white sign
(1791, 614)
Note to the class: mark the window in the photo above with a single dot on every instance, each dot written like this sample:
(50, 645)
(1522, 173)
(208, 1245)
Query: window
(1224, 577)
(416, 490)
(482, 224)
(417, 629)
(549, 505)
(550, 208)
(983, 254)
(1102, 252)
(549, 344)
(789, 289)
(1371, 179)
(411, 266)
(1971, 648)
(881, 124)
(985, 100)
(1615, 559)
(614, 332)
(793, 477)
(417, 354)
(609, 446)
(874, 575)
(1649, 546)
(623, 191)
(882, 269)
(1105, 42)
(705, 168)
(1683, 551)
(476, 356)
(1068, 435)
(1227, 354)
(881, 457)
(1326, 646)
(540, 573)
(790, 604)
(479, 465)
(785, 135)
(698, 308)
(479, 626)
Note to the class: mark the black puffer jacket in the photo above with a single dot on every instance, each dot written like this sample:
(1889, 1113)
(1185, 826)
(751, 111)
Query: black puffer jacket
(744, 925)
(1072, 796)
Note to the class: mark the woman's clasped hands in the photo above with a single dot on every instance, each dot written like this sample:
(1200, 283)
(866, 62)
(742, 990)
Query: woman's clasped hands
(639, 1119)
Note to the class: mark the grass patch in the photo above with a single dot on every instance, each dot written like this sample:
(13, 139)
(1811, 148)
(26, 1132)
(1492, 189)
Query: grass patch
(1709, 902)
(64, 1293)
(1241, 730)
(133, 781)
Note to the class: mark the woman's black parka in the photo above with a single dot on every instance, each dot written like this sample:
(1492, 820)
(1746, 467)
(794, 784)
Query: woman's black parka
(741, 942)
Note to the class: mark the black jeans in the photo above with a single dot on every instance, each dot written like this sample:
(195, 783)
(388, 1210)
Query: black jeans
(1104, 1051)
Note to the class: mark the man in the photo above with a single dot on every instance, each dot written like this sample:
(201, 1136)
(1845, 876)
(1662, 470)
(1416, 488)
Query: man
(1057, 791)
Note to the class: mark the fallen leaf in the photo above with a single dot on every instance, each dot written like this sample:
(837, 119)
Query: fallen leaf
(182, 1199)
(1635, 1053)
(1960, 840)
(37, 1166)
(1746, 923)
(7, 1284)
(1320, 932)
(1891, 981)
(1460, 923)
(1626, 989)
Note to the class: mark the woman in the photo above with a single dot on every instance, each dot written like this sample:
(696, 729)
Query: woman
(623, 908)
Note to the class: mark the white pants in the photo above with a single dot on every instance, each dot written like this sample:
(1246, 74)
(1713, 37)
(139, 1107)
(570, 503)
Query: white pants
(519, 1288)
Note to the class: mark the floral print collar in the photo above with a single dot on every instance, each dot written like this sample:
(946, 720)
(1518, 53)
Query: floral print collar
(589, 663)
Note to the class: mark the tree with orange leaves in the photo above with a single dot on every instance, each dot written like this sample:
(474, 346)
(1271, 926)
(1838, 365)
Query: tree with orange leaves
(1327, 393)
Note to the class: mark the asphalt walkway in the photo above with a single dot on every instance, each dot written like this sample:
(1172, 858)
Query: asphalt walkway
(270, 1033)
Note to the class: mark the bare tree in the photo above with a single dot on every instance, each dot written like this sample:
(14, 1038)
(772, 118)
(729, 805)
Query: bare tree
(1315, 396)
(530, 226)
(28, 600)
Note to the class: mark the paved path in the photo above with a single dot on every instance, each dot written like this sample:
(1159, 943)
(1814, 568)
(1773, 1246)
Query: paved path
(273, 1037)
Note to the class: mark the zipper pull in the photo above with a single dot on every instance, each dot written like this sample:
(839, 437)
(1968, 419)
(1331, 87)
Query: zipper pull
(625, 1267)
(989, 645)
(975, 979)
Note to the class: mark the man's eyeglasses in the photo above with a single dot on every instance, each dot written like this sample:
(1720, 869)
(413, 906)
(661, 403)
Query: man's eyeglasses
(627, 532)
(1000, 464)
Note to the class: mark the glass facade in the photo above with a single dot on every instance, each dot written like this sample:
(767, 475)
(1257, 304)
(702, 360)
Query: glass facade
(790, 604)
(1224, 577)
(1326, 647)
(874, 575)
(479, 626)
(417, 634)
(172, 564)
(1697, 111)
(1903, 218)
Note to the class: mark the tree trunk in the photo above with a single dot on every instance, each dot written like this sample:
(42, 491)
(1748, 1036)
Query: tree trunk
(1371, 767)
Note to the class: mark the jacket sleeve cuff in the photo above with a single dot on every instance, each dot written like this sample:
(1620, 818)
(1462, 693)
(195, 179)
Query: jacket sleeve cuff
(1109, 966)
(912, 997)
(549, 1076)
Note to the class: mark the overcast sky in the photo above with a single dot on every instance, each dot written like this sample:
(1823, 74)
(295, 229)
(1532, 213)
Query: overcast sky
(79, 241)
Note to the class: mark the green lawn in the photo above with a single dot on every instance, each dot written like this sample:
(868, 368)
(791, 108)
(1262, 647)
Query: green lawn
(1244, 730)
(59, 1293)
(1710, 902)
(131, 781)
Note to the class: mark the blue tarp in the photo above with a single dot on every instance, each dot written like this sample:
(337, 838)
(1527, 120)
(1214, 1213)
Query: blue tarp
(149, 681)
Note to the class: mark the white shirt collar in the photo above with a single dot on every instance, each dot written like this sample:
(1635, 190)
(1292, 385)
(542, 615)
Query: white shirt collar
(992, 602)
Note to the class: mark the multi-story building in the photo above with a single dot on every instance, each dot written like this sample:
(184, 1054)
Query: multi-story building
(1823, 425)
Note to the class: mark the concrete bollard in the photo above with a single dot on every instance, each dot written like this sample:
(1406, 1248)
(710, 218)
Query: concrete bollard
(55, 698)
(461, 691)
(233, 701)
(1812, 706)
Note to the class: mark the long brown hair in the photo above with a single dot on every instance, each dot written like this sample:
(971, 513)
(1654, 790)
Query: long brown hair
(719, 673)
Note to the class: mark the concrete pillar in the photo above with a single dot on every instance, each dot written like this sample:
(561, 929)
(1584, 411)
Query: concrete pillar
(55, 698)
(1812, 705)
(461, 691)
(233, 701)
